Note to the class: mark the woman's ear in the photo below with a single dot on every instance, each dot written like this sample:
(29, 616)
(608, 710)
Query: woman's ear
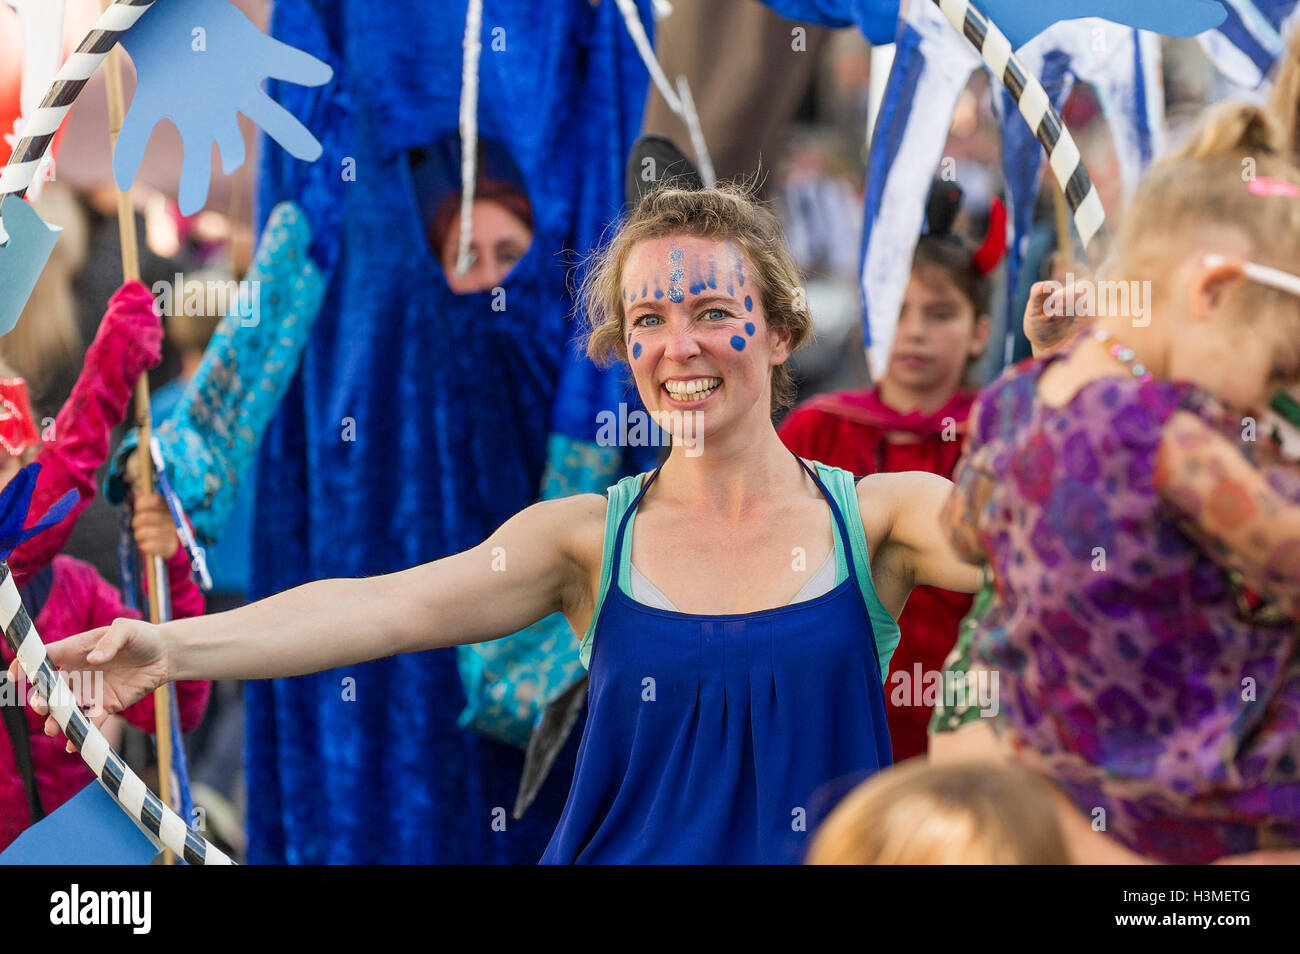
(780, 339)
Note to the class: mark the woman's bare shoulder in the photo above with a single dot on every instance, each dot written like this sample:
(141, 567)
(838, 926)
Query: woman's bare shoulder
(579, 525)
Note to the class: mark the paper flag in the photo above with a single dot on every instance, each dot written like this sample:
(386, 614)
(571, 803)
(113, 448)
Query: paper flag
(28, 242)
(1022, 21)
(198, 63)
(42, 22)
(88, 829)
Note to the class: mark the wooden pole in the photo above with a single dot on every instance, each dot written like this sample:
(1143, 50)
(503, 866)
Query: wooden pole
(1064, 241)
(144, 479)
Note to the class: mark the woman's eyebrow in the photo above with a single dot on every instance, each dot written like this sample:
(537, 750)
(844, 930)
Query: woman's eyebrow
(708, 299)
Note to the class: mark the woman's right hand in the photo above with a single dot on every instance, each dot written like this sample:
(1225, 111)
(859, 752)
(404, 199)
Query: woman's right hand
(132, 656)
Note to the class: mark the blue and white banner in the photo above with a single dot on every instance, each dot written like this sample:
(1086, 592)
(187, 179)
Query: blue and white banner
(1123, 66)
(932, 65)
(1248, 43)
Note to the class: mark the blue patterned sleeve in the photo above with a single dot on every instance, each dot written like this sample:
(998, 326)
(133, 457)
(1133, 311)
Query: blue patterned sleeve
(213, 433)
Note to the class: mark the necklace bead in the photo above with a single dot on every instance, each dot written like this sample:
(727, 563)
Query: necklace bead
(1123, 354)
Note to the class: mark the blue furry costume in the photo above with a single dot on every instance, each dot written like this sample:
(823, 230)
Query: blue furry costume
(419, 420)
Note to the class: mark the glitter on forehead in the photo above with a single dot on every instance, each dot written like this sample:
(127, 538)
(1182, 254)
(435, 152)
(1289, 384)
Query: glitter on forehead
(675, 276)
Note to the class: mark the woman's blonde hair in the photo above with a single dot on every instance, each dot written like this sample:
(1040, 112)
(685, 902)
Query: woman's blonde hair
(919, 813)
(730, 213)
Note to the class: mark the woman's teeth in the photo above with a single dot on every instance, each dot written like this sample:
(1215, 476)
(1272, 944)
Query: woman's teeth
(697, 389)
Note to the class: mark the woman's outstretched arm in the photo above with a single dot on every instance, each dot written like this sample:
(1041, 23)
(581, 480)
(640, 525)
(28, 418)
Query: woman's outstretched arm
(911, 504)
(532, 566)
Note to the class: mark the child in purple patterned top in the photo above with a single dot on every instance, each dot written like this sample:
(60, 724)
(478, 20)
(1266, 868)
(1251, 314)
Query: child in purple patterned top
(1125, 503)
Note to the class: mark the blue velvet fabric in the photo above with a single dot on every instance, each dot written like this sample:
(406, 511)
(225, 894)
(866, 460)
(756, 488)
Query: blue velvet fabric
(419, 420)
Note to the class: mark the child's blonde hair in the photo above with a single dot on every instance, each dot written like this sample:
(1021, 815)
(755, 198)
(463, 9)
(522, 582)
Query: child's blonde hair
(919, 813)
(728, 213)
(1207, 184)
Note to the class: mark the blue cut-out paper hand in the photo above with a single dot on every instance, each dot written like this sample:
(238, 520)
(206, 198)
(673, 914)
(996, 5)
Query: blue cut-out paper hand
(198, 63)
(26, 243)
(1022, 21)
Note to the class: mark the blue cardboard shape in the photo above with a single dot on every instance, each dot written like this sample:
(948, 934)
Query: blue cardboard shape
(1022, 21)
(88, 829)
(22, 257)
(199, 63)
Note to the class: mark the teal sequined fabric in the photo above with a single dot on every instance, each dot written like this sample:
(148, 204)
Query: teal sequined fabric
(509, 682)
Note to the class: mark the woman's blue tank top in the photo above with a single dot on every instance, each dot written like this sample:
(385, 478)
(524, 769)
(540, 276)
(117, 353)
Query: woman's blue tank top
(726, 739)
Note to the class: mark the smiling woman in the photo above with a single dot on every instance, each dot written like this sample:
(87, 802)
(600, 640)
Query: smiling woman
(697, 241)
(732, 699)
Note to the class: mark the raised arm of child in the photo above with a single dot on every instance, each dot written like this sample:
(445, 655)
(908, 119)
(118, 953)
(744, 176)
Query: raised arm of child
(1247, 519)
(128, 343)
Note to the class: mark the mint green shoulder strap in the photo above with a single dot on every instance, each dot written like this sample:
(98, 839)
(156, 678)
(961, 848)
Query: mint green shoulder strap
(844, 490)
(621, 496)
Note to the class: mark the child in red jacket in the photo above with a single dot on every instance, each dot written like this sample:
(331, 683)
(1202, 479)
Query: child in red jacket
(63, 595)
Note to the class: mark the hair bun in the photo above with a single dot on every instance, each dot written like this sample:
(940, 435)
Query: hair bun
(1233, 128)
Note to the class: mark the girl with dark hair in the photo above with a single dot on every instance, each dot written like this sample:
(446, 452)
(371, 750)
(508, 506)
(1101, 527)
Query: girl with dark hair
(914, 419)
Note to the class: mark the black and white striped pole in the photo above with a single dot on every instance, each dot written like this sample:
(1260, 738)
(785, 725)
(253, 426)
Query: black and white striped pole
(39, 129)
(1036, 107)
(160, 824)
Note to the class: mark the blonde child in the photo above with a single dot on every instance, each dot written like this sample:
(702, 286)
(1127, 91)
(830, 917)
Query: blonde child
(925, 814)
(1133, 524)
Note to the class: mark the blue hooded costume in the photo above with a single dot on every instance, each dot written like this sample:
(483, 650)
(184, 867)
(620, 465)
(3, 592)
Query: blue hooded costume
(420, 420)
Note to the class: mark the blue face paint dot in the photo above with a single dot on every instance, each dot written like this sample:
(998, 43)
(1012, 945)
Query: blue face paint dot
(749, 305)
(675, 255)
(644, 291)
(659, 293)
(696, 288)
(749, 328)
(676, 275)
(675, 294)
(738, 342)
(636, 350)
